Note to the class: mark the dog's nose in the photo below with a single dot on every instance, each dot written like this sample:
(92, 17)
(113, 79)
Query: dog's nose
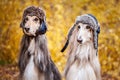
(27, 29)
(79, 40)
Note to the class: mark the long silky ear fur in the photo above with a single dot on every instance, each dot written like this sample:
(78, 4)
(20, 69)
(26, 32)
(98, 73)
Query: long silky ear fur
(51, 70)
(23, 59)
(69, 35)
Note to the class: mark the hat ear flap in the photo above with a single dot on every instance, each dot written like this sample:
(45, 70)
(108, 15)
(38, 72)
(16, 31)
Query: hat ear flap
(43, 27)
(22, 24)
(96, 32)
(68, 38)
(23, 17)
(95, 40)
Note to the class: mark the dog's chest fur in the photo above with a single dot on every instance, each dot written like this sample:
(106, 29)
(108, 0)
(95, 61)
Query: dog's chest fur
(81, 68)
(31, 71)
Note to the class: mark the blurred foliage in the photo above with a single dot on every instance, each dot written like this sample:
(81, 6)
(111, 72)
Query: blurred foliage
(61, 15)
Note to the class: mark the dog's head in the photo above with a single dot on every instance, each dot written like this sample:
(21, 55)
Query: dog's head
(83, 33)
(85, 29)
(33, 21)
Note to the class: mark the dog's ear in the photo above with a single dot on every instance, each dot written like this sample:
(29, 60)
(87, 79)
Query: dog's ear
(23, 18)
(21, 24)
(68, 37)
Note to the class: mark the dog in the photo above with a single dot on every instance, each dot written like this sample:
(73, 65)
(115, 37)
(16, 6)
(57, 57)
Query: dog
(83, 62)
(34, 60)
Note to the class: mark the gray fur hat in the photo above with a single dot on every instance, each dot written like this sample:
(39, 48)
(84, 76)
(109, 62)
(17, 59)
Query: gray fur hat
(86, 19)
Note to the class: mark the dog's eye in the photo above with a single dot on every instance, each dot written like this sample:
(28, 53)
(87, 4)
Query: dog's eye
(87, 27)
(79, 27)
(36, 19)
(26, 19)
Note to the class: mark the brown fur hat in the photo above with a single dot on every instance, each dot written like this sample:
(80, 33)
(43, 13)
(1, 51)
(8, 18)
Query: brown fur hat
(34, 11)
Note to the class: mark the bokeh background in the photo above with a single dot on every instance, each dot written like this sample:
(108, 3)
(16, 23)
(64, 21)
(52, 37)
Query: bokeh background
(61, 15)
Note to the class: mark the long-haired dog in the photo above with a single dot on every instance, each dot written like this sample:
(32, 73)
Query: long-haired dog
(34, 61)
(83, 63)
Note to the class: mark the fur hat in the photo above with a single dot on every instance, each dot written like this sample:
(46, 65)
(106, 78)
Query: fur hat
(92, 21)
(86, 19)
(35, 11)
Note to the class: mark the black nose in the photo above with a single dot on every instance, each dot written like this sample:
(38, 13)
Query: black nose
(79, 40)
(27, 29)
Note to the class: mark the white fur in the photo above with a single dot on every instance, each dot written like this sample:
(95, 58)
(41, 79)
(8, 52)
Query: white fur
(32, 25)
(84, 33)
(83, 63)
(84, 71)
(30, 72)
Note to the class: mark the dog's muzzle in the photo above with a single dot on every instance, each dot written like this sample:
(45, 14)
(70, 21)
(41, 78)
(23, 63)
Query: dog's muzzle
(79, 41)
(27, 29)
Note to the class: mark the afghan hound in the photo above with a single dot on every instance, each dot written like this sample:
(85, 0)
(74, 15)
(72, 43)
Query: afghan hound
(83, 63)
(34, 61)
